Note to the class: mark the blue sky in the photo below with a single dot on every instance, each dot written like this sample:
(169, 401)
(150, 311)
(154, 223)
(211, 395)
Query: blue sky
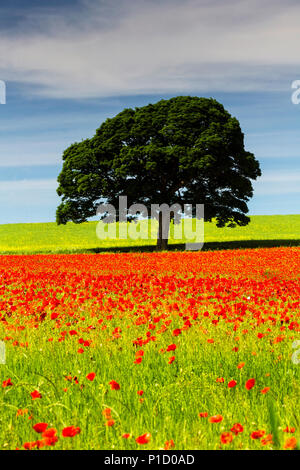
(68, 65)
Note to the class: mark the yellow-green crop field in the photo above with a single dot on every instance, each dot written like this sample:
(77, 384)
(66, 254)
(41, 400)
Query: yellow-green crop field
(262, 231)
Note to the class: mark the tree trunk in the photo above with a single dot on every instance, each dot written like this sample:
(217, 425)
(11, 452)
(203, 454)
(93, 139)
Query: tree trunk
(163, 231)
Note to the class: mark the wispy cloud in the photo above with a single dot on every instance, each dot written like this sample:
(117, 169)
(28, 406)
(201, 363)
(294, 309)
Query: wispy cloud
(115, 48)
(277, 183)
(31, 151)
(28, 185)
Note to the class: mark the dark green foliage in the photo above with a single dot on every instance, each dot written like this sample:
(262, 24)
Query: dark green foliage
(182, 150)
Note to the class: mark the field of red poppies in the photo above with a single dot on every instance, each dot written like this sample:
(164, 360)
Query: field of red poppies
(151, 350)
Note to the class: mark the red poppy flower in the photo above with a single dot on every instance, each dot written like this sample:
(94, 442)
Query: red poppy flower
(258, 434)
(267, 440)
(144, 439)
(138, 360)
(7, 383)
(35, 394)
(106, 412)
(40, 443)
(216, 419)
(237, 428)
(250, 384)
(91, 376)
(110, 422)
(204, 414)
(49, 432)
(171, 347)
(177, 332)
(40, 427)
(290, 430)
(226, 437)
(139, 353)
(140, 392)
(171, 359)
(232, 384)
(114, 385)
(169, 444)
(278, 339)
(21, 412)
(50, 441)
(265, 390)
(29, 445)
(290, 443)
(50, 437)
(70, 431)
(125, 435)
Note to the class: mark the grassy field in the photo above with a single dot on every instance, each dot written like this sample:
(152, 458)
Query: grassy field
(173, 350)
(263, 231)
(151, 350)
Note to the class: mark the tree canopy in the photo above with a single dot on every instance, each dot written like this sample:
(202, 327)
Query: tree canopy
(185, 150)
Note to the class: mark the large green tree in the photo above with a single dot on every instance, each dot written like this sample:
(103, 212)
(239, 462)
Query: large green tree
(185, 150)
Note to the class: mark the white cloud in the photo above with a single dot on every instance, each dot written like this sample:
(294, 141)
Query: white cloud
(281, 144)
(277, 182)
(28, 185)
(281, 177)
(157, 47)
(23, 151)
